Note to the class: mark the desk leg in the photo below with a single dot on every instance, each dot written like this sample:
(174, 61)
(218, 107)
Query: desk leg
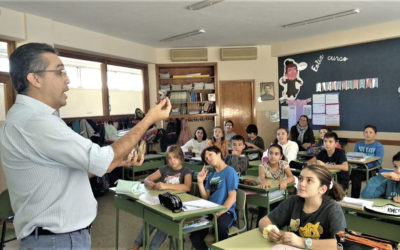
(146, 242)
(268, 205)
(116, 227)
(216, 227)
(366, 173)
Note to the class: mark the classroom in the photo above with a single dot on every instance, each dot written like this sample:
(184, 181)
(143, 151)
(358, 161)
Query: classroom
(242, 54)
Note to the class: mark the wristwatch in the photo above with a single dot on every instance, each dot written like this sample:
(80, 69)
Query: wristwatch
(308, 243)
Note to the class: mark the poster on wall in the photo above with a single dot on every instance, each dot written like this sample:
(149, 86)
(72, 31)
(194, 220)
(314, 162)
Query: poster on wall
(326, 109)
(267, 91)
(292, 116)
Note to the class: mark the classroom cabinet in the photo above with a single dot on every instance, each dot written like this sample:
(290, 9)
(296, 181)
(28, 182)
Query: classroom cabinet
(192, 88)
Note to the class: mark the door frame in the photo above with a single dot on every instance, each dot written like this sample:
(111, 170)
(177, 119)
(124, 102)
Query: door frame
(253, 102)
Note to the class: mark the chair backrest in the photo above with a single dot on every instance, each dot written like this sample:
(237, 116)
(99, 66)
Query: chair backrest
(241, 209)
(5, 208)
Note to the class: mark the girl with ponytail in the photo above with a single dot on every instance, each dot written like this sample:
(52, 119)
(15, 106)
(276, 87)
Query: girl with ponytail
(313, 216)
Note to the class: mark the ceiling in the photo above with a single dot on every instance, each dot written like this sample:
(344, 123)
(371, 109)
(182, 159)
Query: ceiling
(228, 23)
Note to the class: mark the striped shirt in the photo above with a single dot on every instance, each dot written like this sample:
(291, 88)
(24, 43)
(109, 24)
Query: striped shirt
(46, 165)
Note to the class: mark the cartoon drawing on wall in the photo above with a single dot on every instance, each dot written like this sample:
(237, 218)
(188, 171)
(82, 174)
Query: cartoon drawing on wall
(291, 81)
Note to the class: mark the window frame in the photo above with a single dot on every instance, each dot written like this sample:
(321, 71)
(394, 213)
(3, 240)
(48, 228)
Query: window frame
(9, 92)
(103, 68)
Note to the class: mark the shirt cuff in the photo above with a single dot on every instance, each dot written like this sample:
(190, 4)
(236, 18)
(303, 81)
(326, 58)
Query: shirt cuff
(100, 159)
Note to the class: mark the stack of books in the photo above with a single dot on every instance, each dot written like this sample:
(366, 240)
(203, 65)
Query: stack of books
(356, 156)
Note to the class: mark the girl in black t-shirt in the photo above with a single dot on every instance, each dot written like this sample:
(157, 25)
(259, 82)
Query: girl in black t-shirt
(311, 214)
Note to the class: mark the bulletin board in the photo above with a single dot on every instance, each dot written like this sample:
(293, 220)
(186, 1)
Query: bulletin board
(369, 77)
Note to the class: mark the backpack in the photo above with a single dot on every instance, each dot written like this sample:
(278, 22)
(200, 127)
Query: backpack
(172, 133)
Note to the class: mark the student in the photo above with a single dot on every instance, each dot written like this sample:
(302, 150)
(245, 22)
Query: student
(253, 140)
(172, 176)
(312, 216)
(46, 163)
(228, 126)
(302, 133)
(290, 148)
(333, 158)
(386, 184)
(276, 168)
(322, 132)
(219, 141)
(236, 159)
(370, 147)
(320, 142)
(219, 187)
(196, 144)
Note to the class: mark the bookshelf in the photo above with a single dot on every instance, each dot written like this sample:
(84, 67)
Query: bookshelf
(192, 88)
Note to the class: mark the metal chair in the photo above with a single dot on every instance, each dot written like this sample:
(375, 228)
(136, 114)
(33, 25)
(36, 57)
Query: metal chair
(6, 216)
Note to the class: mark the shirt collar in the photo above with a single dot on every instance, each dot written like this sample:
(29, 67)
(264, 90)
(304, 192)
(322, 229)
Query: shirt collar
(35, 104)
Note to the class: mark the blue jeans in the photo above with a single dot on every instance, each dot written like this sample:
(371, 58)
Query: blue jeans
(157, 240)
(75, 240)
(225, 221)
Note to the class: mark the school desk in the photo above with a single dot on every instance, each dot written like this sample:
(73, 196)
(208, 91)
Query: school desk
(357, 165)
(261, 197)
(163, 218)
(252, 239)
(151, 162)
(380, 225)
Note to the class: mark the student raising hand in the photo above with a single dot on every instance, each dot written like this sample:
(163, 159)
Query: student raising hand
(202, 174)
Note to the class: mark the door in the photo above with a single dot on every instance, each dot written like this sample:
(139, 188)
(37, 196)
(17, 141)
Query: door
(237, 103)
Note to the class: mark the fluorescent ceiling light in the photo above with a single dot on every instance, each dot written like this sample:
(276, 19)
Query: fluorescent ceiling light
(322, 18)
(184, 35)
(202, 4)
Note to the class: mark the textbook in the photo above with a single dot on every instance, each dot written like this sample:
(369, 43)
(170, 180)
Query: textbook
(129, 187)
(199, 222)
(355, 203)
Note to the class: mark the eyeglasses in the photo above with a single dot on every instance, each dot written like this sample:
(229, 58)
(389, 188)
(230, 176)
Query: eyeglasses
(59, 72)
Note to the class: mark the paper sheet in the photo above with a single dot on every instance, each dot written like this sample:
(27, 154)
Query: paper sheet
(149, 199)
(357, 202)
(319, 98)
(332, 109)
(285, 112)
(318, 108)
(318, 119)
(332, 98)
(197, 204)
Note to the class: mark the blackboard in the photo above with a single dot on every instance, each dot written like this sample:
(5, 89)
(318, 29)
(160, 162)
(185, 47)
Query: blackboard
(378, 106)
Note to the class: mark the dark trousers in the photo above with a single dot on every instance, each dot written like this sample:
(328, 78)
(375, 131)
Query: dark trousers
(356, 179)
(225, 221)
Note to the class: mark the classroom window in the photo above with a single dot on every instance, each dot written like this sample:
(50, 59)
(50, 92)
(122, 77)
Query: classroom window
(101, 86)
(2, 103)
(4, 64)
(85, 93)
(125, 89)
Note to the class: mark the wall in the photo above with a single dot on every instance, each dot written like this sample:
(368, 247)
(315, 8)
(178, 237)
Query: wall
(261, 70)
(354, 36)
(28, 28)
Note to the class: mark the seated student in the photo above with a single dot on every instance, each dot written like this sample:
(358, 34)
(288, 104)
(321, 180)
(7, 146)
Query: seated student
(253, 140)
(228, 126)
(172, 176)
(219, 141)
(370, 147)
(333, 158)
(320, 142)
(313, 216)
(386, 184)
(219, 187)
(236, 159)
(290, 148)
(302, 133)
(275, 168)
(196, 144)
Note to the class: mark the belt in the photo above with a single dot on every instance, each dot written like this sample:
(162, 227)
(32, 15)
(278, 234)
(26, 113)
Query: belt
(41, 231)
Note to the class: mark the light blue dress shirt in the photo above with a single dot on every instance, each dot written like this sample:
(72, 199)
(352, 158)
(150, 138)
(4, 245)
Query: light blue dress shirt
(46, 165)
